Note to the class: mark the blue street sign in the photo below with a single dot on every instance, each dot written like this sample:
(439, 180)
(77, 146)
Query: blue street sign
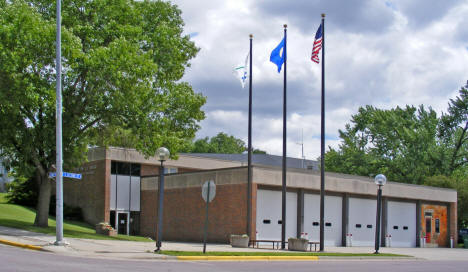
(66, 175)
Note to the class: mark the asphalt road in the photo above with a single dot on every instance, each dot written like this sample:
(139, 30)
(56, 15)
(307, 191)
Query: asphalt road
(16, 259)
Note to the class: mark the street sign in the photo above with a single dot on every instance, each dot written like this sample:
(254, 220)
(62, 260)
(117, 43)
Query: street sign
(212, 190)
(208, 193)
(66, 175)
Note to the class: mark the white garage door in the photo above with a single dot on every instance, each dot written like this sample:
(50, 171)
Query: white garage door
(332, 218)
(362, 214)
(401, 223)
(269, 215)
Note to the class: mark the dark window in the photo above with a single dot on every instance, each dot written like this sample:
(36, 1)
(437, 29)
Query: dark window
(428, 225)
(358, 226)
(315, 224)
(427, 214)
(280, 222)
(113, 167)
(395, 227)
(135, 169)
(328, 224)
(437, 225)
(369, 226)
(134, 223)
(123, 168)
(405, 227)
(112, 219)
(266, 221)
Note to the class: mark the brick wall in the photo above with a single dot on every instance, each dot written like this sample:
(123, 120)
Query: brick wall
(149, 170)
(184, 213)
(91, 193)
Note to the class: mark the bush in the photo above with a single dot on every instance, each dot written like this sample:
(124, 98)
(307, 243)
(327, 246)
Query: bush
(69, 212)
(22, 191)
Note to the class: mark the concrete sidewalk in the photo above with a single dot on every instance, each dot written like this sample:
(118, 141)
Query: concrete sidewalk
(144, 250)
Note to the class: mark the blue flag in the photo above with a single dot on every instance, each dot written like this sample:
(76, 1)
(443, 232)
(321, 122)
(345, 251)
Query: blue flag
(277, 55)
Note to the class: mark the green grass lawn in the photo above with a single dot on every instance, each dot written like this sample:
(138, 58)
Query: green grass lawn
(225, 253)
(20, 217)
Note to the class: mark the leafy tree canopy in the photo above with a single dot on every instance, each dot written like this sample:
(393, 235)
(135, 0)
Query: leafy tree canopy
(221, 144)
(410, 145)
(122, 64)
(398, 142)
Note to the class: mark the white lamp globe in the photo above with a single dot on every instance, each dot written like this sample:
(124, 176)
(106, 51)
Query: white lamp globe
(380, 180)
(162, 153)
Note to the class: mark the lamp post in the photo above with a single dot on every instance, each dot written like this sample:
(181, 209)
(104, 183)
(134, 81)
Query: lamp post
(163, 154)
(380, 180)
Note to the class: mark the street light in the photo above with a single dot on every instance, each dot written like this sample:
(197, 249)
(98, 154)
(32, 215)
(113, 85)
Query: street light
(380, 180)
(163, 154)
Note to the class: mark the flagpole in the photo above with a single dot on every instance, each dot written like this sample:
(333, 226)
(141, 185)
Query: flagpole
(283, 206)
(322, 143)
(249, 160)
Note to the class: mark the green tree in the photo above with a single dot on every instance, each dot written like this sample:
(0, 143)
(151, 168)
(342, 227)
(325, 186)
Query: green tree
(122, 65)
(221, 144)
(453, 132)
(409, 145)
(398, 142)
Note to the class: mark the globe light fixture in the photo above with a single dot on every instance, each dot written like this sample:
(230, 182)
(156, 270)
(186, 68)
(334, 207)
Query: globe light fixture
(380, 180)
(163, 154)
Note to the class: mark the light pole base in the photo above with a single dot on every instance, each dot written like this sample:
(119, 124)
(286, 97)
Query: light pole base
(61, 243)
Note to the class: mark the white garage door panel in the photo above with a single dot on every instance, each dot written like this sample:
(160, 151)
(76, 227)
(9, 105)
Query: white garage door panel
(269, 215)
(401, 223)
(333, 218)
(362, 214)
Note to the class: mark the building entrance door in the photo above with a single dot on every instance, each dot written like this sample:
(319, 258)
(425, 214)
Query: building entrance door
(428, 228)
(122, 222)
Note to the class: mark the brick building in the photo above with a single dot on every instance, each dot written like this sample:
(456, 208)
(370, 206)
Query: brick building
(120, 186)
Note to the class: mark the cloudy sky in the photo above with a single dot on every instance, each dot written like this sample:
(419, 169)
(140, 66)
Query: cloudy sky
(384, 53)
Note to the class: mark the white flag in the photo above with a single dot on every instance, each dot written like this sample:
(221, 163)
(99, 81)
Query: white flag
(242, 72)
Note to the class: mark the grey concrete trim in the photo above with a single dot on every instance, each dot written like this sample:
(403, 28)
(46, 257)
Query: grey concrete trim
(384, 223)
(132, 155)
(344, 219)
(310, 180)
(418, 223)
(197, 172)
(196, 179)
(300, 212)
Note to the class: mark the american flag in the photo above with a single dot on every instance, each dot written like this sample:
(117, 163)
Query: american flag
(317, 45)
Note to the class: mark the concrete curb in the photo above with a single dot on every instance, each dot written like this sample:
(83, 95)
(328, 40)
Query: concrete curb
(11, 243)
(382, 258)
(247, 258)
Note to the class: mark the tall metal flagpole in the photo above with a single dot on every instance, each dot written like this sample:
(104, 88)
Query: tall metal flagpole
(283, 206)
(58, 120)
(322, 143)
(249, 160)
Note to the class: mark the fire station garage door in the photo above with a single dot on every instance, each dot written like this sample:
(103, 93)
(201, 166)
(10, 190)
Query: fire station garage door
(362, 214)
(269, 215)
(333, 216)
(401, 223)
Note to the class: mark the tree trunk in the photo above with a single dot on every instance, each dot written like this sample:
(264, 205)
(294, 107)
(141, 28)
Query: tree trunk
(43, 200)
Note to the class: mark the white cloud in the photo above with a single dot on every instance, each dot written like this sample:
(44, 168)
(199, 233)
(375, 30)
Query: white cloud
(385, 62)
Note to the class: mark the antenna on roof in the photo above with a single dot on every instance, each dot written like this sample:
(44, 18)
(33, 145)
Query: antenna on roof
(302, 148)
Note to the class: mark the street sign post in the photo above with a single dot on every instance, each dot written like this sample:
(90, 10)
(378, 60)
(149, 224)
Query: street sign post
(66, 175)
(208, 194)
(211, 191)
